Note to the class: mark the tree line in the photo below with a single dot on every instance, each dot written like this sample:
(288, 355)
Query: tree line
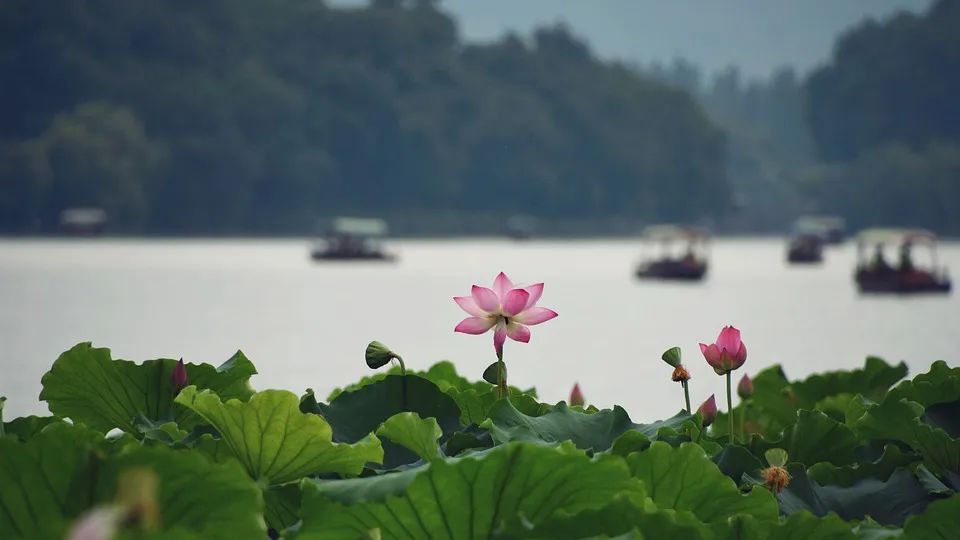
(256, 116)
(236, 116)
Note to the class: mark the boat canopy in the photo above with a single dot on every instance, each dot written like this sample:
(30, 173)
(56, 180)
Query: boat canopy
(83, 217)
(818, 224)
(354, 226)
(666, 232)
(896, 236)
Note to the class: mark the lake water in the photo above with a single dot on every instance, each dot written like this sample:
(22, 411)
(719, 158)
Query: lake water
(306, 324)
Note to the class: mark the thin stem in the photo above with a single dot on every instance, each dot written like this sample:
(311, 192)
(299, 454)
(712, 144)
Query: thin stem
(743, 417)
(403, 368)
(730, 407)
(686, 394)
(501, 382)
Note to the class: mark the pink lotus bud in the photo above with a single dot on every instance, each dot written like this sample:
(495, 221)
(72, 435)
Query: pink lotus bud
(576, 396)
(728, 353)
(708, 410)
(178, 377)
(745, 387)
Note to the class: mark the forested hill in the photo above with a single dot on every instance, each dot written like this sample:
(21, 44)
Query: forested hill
(232, 116)
(885, 113)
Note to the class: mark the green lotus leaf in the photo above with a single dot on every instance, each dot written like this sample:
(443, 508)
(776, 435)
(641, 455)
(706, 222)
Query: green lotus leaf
(45, 481)
(869, 529)
(813, 438)
(803, 525)
(628, 442)
(735, 461)
(881, 468)
(888, 501)
(684, 479)
(901, 421)
(276, 442)
(473, 404)
(799, 526)
(443, 374)
(941, 520)
(836, 406)
(941, 384)
(282, 505)
(466, 498)
(771, 403)
(945, 416)
(931, 483)
(196, 498)
(419, 435)
(938, 390)
(623, 517)
(355, 414)
(60, 473)
(778, 400)
(856, 408)
(589, 431)
(472, 438)
(167, 433)
(871, 381)
(26, 427)
(89, 387)
(474, 398)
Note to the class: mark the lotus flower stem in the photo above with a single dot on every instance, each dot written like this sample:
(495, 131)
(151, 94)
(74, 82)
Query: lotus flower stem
(403, 367)
(501, 368)
(730, 407)
(743, 420)
(686, 394)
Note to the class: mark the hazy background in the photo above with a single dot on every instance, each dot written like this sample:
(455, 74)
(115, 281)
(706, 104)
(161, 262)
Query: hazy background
(258, 117)
(197, 125)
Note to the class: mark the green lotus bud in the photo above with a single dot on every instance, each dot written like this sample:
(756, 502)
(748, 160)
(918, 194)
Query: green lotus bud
(378, 355)
(672, 356)
(776, 457)
(490, 374)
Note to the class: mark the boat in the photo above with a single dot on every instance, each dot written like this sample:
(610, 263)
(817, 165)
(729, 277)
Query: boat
(805, 249)
(352, 239)
(832, 229)
(691, 265)
(82, 221)
(875, 275)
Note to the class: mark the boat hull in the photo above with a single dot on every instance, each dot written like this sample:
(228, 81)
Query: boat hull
(672, 271)
(333, 256)
(899, 283)
(803, 257)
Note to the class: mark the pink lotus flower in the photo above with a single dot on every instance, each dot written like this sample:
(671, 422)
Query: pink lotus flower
(728, 353)
(576, 396)
(505, 308)
(708, 410)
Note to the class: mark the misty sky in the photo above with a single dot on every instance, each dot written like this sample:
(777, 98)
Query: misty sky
(757, 35)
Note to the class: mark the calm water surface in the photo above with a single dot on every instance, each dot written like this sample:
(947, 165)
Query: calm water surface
(306, 325)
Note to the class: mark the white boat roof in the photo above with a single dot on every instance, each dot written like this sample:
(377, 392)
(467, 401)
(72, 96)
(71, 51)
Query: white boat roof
(83, 216)
(834, 222)
(818, 224)
(668, 231)
(895, 236)
(356, 226)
